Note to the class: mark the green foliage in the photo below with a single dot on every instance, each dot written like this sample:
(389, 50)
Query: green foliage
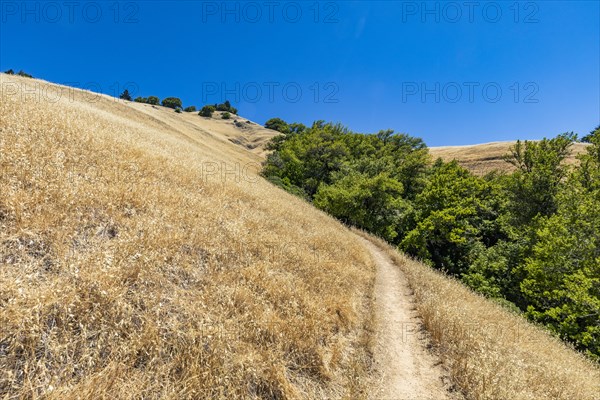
(153, 100)
(207, 111)
(190, 109)
(592, 134)
(310, 159)
(225, 115)
(286, 185)
(371, 203)
(455, 211)
(10, 72)
(277, 124)
(530, 239)
(178, 110)
(286, 129)
(24, 74)
(562, 283)
(172, 102)
(125, 95)
(148, 100)
(226, 107)
(540, 171)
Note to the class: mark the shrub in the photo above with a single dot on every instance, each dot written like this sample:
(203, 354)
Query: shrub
(226, 115)
(172, 102)
(190, 109)
(178, 110)
(24, 74)
(277, 124)
(10, 72)
(125, 95)
(141, 100)
(207, 111)
(226, 107)
(153, 100)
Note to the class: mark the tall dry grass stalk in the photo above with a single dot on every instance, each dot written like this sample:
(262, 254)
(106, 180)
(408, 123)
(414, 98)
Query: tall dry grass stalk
(490, 352)
(142, 257)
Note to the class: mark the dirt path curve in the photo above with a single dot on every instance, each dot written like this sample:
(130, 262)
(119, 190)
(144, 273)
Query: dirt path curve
(408, 370)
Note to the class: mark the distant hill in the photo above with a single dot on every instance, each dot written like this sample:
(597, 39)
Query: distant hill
(483, 158)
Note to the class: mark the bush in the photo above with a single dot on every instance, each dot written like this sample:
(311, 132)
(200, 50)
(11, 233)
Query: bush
(190, 109)
(223, 106)
(172, 102)
(10, 72)
(141, 100)
(277, 124)
(226, 107)
(226, 115)
(125, 95)
(153, 100)
(207, 111)
(24, 74)
(178, 110)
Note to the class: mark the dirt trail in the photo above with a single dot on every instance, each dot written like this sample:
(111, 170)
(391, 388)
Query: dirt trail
(408, 370)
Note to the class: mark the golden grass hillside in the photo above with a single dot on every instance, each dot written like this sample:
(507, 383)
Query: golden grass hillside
(142, 257)
(490, 352)
(483, 158)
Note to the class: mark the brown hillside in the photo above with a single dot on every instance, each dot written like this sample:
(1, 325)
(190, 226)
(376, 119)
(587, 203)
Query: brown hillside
(142, 257)
(483, 158)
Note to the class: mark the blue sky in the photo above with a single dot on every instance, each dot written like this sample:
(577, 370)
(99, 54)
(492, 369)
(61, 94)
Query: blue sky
(449, 72)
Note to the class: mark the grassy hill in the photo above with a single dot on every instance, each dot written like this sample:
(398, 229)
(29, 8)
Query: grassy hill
(483, 158)
(141, 256)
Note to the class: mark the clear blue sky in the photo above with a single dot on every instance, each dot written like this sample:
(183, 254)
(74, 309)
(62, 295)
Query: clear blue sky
(432, 70)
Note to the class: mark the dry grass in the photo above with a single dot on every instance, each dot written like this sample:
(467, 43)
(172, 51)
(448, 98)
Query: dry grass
(490, 352)
(130, 269)
(483, 158)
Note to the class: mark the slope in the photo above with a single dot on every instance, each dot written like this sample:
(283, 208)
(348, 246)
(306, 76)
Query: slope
(483, 158)
(141, 256)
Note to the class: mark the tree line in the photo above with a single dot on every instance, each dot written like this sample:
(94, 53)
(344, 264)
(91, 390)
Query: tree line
(176, 104)
(529, 239)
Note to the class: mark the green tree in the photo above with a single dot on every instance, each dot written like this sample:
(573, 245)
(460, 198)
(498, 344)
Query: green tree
(277, 124)
(371, 203)
(125, 95)
(207, 111)
(226, 106)
(308, 160)
(455, 211)
(153, 100)
(562, 284)
(24, 74)
(190, 109)
(540, 171)
(172, 102)
(588, 138)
